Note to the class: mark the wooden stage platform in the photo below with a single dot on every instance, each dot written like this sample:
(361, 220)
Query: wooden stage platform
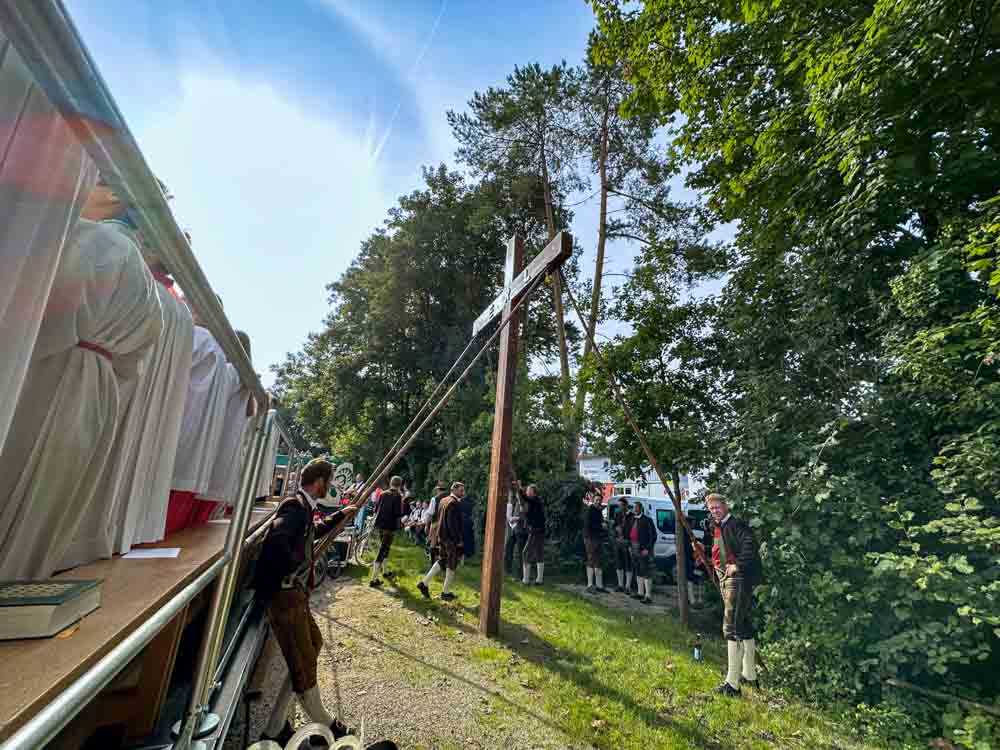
(33, 672)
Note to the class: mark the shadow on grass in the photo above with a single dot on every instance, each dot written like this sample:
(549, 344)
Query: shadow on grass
(567, 665)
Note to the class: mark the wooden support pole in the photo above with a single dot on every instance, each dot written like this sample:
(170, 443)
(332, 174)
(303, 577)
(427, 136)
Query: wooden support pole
(491, 585)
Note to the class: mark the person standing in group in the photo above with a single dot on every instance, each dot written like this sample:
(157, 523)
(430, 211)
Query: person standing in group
(621, 528)
(642, 538)
(593, 540)
(446, 539)
(282, 582)
(736, 563)
(534, 547)
(516, 532)
(388, 517)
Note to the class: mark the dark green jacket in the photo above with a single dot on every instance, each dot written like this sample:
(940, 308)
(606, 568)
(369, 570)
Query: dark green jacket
(741, 547)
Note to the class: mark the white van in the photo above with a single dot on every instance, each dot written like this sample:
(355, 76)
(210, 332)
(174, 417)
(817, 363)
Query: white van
(661, 511)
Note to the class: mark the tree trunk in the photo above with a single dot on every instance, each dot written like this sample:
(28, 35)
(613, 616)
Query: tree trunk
(595, 298)
(564, 377)
(682, 555)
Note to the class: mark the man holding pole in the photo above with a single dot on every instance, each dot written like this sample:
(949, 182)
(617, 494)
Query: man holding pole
(736, 563)
(282, 583)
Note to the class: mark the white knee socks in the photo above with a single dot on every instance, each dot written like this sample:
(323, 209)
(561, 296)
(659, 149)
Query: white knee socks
(628, 580)
(621, 578)
(313, 706)
(376, 570)
(649, 587)
(639, 584)
(599, 575)
(750, 660)
(435, 569)
(590, 577)
(735, 654)
(541, 572)
(279, 714)
(449, 577)
(526, 579)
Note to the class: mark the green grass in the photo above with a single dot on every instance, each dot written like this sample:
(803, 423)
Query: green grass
(608, 678)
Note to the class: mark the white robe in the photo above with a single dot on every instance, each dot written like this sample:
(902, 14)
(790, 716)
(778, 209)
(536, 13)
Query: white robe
(204, 415)
(45, 176)
(171, 387)
(224, 482)
(64, 428)
(268, 458)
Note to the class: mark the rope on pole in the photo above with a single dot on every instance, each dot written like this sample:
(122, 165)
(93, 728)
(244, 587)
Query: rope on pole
(391, 460)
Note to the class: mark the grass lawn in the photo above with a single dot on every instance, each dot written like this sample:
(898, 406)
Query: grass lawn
(607, 678)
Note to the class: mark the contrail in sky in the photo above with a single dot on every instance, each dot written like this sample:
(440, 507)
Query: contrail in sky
(416, 65)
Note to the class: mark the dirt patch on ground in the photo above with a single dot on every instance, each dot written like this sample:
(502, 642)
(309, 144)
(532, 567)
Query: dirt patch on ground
(421, 677)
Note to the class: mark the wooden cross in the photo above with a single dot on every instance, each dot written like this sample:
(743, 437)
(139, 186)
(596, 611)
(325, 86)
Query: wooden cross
(516, 282)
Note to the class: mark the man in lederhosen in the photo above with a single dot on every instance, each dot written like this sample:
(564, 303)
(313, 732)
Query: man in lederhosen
(534, 547)
(388, 517)
(282, 582)
(447, 542)
(621, 528)
(593, 541)
(642, 537)
(736, 563)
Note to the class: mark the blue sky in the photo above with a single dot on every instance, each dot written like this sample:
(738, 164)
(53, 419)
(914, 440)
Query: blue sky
(286, 132)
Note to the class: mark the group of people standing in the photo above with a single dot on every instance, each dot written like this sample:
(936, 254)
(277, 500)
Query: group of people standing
(633, 538)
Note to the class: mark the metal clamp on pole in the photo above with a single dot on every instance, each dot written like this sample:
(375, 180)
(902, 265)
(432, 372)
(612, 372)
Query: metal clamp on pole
(197, 722)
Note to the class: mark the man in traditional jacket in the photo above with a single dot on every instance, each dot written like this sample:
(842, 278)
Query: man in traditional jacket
(736, 563)
(534, 547)
(282, 584)
(446, 539)
(102, 320)
(642, 538)
(621, 528)
(593, 541)
(45, 177)
(388, 517)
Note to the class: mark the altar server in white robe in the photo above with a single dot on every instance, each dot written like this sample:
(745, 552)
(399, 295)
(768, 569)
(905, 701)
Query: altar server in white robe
(268, 458)
(45, 177)
(102, 319)
(201, 427)
(223, 485)
(145, 513)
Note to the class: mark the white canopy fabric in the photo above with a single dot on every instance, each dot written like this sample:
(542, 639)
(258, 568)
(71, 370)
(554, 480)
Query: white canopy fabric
(45, 176)
(204, 415)
(64, 428)
(225, 471)
(143, 489)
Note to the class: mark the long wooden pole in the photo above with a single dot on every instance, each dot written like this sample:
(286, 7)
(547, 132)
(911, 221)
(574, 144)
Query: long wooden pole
(491, 585)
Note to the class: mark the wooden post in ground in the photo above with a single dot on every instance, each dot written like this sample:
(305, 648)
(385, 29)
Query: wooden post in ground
(500, 455)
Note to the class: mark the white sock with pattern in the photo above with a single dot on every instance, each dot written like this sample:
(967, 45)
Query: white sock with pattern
(590, 577)
(541, 572)
(449, 577)
(750, 659)
(435, 569)
(735, 657)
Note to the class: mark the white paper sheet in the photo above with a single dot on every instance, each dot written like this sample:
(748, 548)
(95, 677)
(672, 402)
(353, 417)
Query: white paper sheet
(146, 554)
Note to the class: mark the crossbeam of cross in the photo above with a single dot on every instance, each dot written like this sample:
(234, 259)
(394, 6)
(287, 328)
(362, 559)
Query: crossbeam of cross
(516, 281)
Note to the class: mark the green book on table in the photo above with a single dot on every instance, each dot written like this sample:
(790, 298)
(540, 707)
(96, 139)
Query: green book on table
(39, 609)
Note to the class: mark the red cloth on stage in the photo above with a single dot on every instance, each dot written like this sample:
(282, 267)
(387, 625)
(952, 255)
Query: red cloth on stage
(179, 510)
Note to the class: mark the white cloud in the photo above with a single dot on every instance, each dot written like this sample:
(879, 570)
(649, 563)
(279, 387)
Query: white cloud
(276, 198)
